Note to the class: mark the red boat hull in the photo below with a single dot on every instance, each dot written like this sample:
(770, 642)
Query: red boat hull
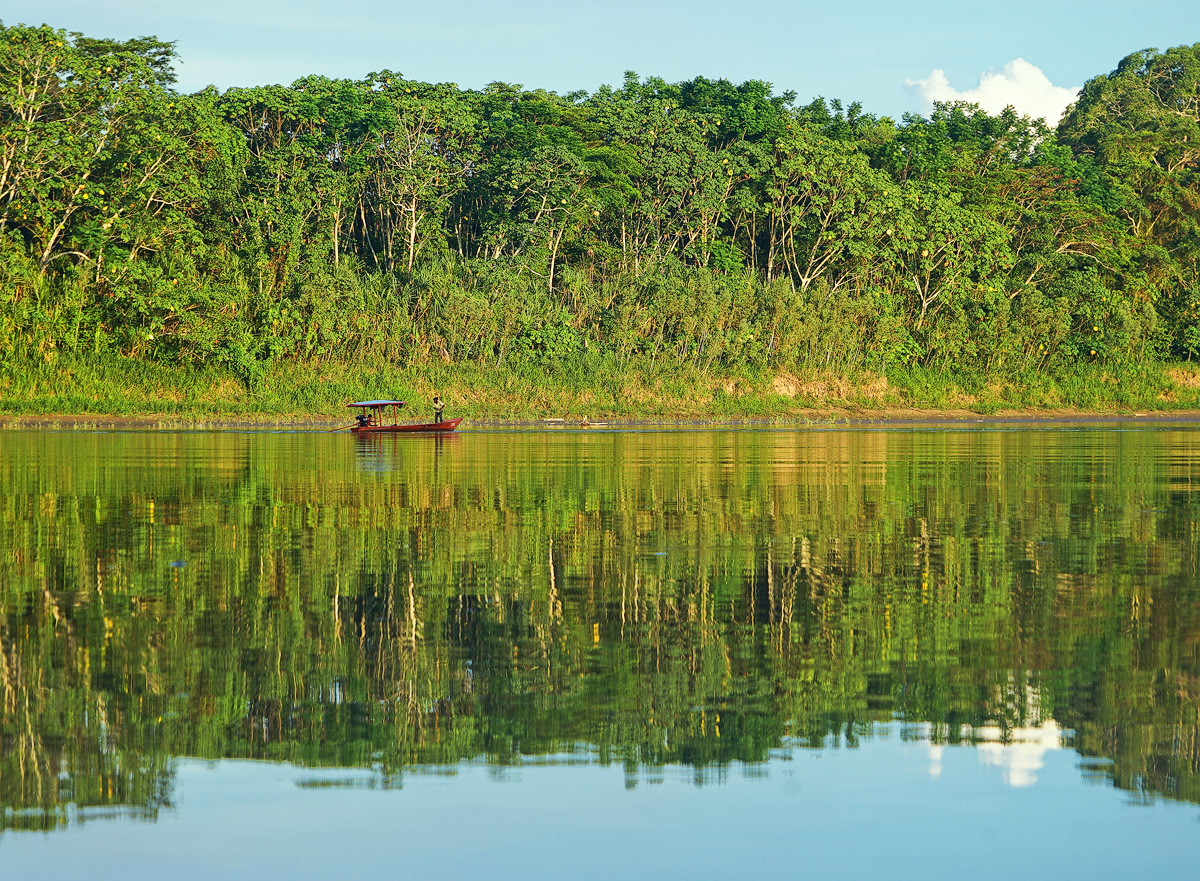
(448, 425)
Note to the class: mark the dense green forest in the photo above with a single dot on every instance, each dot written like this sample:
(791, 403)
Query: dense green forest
(379, 604)
(700, 226)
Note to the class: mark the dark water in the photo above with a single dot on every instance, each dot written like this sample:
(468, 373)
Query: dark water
(595, 654)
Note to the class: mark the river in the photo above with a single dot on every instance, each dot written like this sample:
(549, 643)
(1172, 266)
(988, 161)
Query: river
(922, 650)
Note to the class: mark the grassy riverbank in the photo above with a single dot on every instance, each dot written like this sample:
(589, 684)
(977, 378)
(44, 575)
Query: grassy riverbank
(697, 250)
(125, 387)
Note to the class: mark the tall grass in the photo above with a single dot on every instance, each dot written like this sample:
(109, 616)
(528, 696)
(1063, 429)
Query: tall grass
(496, 342)
(593, 385)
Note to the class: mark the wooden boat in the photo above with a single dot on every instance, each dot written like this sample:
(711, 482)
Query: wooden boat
(372, 417)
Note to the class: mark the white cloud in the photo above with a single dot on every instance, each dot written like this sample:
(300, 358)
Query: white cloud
(1024, 753)
(1019, 83)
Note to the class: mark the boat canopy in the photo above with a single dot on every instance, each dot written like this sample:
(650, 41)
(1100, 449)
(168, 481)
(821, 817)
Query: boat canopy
(376, 404)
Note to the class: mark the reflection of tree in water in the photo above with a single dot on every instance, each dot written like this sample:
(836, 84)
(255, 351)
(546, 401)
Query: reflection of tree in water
(685, 616)
(73, 758)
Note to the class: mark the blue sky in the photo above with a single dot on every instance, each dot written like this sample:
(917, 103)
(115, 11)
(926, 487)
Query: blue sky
(865, 50)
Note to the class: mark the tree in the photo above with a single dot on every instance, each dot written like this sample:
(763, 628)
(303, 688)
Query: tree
(419, 155)
(72, 109)
(823, 203)
(1140, 125)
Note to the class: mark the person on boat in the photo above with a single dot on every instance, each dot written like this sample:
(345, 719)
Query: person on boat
(438, 406)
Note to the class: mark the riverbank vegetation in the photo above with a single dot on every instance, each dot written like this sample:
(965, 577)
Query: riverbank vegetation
(654, 248)
(291, 392)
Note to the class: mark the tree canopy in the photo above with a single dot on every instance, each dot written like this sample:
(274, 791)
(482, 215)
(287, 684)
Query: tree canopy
(704, 223)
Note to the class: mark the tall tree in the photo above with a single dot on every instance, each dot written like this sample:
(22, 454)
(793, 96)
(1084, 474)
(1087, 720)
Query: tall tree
(1140, 124)
(71, 109)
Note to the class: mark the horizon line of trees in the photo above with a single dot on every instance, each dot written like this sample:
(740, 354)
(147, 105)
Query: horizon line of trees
(701, 224)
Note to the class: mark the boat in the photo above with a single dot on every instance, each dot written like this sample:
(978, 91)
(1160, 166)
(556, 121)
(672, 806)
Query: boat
(372, 417)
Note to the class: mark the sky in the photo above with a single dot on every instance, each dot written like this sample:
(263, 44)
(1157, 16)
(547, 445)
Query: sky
(892, 57)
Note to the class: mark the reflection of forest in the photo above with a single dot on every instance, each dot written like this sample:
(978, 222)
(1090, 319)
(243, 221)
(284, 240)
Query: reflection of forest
(692, 598)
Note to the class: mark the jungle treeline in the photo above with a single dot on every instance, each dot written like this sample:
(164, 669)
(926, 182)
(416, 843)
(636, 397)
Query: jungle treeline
(699, 224)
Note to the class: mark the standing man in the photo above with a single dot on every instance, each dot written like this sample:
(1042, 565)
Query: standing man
(438, 406)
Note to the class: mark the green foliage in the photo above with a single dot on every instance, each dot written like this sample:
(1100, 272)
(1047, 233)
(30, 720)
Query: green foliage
(701, 226)
(1139, 127)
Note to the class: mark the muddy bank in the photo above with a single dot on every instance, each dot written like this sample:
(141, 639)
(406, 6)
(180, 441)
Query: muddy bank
(884, 418)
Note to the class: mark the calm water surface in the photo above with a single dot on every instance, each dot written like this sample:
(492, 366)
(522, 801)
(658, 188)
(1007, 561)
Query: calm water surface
(779, 654)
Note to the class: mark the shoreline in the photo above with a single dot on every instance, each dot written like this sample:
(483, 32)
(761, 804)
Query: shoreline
(824, 418)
